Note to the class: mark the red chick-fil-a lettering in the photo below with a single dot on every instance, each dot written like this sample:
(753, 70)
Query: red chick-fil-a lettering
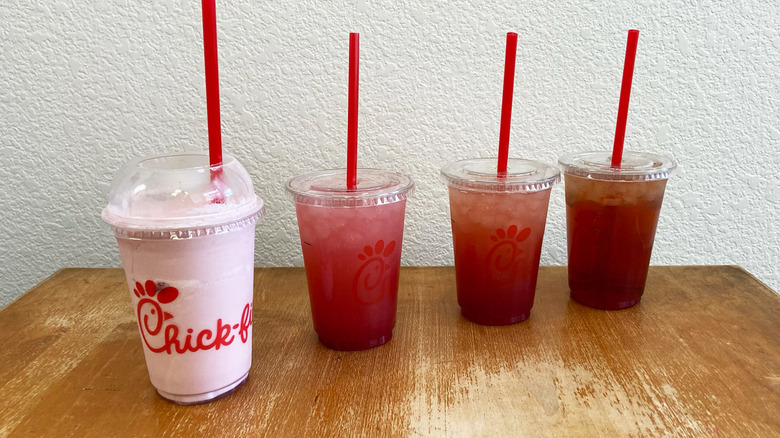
(152, 320)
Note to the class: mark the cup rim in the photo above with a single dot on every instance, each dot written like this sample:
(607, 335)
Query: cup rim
(378, 187)
(523, 176)
(636, 166)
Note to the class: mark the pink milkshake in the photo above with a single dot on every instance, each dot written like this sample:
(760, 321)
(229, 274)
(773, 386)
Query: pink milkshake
(186, 236)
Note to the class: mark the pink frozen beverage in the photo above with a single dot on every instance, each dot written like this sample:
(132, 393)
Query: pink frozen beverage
(186, 237)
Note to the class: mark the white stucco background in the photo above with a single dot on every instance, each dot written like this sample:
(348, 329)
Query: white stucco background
(85, 86)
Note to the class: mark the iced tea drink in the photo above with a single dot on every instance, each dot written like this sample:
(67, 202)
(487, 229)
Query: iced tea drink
(351, 245)
(611, 217)
(497, 232)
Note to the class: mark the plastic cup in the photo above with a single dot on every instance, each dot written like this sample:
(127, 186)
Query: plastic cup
(351, 243)
(611, 218)
(497, 231)
(186, 237)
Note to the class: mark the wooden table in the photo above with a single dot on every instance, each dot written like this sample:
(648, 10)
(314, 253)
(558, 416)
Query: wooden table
(700, 356)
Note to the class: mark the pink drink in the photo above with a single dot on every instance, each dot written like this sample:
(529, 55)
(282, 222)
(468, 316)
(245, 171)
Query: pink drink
(352, 271)
(497, 231)
(351, 244)
(205, 345)
(189, 264)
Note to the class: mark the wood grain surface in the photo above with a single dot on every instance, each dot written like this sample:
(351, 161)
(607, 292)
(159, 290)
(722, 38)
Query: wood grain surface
(699, 356)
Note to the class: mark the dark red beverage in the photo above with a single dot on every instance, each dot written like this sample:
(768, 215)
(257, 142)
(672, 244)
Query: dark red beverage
(611, 228)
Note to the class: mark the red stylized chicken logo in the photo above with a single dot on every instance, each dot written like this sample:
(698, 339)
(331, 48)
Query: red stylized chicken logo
(367, 285)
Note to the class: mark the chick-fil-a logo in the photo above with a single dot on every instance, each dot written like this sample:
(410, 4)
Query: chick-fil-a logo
(506, 252)
(368, 282)
(154, 321)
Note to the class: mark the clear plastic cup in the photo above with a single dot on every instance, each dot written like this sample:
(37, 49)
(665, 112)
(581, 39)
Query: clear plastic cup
(351, 243)
(611, 218)
(497, 231)
(186, 237)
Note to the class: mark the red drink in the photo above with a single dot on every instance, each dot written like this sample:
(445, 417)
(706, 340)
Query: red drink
(610, 239)
(352, 259)
(611, 217)
(351, 243)
(498, 242)
(497, 233)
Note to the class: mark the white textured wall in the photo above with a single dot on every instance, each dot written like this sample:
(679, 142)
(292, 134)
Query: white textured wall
(85, 86)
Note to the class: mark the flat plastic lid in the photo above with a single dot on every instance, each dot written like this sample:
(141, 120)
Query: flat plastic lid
(635, 166)
(328, 188)
(480, 174)
(180, 196)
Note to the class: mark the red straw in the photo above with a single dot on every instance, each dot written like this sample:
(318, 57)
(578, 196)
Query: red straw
(506, 104)
(212, 81)
(352, 110)
(625, 94)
